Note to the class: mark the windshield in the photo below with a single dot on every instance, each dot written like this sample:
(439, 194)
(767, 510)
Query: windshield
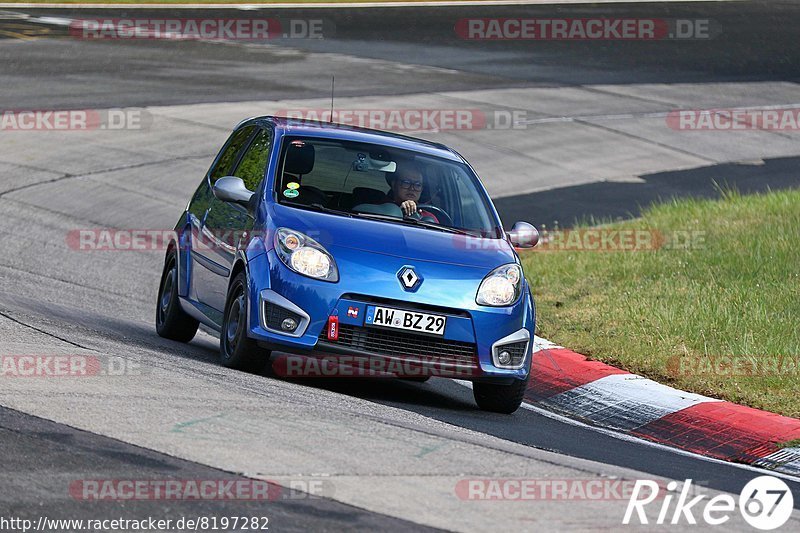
(386, 184)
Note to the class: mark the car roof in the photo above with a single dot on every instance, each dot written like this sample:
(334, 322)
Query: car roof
(332, 130)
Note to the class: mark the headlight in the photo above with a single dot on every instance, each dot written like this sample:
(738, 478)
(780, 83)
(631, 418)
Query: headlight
(501, 287)
(304, 255)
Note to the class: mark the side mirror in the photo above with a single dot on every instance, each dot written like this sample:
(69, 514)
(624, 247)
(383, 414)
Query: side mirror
(523, 235)
(232, 189)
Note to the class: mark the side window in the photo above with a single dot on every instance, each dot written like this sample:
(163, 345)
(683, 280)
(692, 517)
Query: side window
(332, 170)
(254, 162)
(470, 210)
(201, 200)
(228, 158)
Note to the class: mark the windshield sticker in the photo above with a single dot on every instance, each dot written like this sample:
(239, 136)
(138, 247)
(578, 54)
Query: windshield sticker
(291, 193)
(292, 185)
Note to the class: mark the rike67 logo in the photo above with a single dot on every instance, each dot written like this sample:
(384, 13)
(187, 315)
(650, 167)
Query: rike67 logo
(765, 503)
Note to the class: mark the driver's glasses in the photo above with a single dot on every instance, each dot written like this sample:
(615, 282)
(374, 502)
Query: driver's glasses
(414, 185)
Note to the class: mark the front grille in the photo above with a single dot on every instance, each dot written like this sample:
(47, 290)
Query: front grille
(274, 315)
(404, 345)
(516, 349)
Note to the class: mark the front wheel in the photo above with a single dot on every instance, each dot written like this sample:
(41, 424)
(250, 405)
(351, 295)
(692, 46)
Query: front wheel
(499, 398)
(171, 321)
(237, 350)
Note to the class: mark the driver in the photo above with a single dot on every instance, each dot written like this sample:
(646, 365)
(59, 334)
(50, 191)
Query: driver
(407, 182)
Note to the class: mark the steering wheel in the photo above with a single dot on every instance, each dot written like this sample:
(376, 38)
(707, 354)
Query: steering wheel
(440, 213)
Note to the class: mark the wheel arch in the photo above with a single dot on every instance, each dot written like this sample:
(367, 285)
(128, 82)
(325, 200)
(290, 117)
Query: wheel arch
(181, 245)
(239, 266)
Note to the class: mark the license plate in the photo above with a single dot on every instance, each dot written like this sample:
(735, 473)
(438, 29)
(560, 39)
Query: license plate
(407, 320)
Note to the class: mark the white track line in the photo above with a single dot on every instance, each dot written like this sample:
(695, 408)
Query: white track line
(630, 438)
(623, 401)
(657, 114)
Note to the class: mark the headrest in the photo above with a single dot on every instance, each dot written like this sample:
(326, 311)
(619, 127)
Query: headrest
(365, 195)
(299, 158)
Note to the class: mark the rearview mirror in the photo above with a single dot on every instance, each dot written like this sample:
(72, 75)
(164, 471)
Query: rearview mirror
(232, 189)
(523, 235)
(366, 162)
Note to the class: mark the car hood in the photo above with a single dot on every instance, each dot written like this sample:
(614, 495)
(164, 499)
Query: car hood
(393, 239)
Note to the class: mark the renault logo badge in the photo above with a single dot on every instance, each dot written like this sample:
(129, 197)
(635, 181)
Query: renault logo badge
(409, 279)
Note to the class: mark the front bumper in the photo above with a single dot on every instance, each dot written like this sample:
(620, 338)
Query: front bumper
(470, 344)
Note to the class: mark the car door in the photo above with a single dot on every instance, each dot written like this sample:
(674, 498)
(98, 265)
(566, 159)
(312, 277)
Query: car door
(206, 271)
(226, 222)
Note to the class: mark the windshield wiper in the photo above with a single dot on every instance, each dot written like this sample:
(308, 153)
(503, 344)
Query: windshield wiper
(433, 225)
(413, 222)
(319, 207)
(389, 218)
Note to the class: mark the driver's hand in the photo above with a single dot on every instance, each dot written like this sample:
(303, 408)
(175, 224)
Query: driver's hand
(409, 207)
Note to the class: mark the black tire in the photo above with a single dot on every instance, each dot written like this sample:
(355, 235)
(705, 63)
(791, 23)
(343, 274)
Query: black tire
(171, 321)
(499, 398)
(416, 379)
(237, 350)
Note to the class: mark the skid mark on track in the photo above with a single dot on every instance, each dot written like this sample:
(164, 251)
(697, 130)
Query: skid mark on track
(53, 335)
(102, 171)
(244, 426)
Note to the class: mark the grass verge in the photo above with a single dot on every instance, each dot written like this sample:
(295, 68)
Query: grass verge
(719, 316)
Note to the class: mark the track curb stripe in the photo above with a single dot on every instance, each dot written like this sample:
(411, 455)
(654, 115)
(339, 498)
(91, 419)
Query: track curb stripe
(786, 461)
(570, 384)
(559, 370)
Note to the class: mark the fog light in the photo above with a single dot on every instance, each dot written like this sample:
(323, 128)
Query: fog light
(289, 324)
(504, 358)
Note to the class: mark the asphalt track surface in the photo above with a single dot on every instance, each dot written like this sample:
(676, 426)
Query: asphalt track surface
(391, 450)
(756, 42)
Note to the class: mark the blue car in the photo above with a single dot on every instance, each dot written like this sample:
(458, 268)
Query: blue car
(318, 240)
